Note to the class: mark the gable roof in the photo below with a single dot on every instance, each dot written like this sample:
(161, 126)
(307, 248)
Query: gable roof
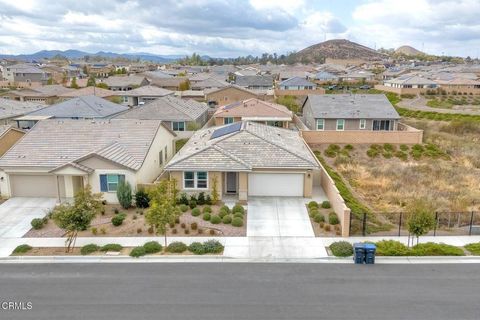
(88, 91)
(209, 83)
(121, 81)
(53, 143)
(231, 86)
(254, 81)
(351, 106)
(146, 91)
(12, 108)
(88, 107)
(243, 146)
(168, 108)
(297, 81)
(411, 79)
(254, 108)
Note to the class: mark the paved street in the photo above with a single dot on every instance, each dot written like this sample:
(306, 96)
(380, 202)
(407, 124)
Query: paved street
(242, 291)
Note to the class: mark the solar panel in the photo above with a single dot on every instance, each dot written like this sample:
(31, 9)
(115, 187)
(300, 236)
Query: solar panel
(234, 127)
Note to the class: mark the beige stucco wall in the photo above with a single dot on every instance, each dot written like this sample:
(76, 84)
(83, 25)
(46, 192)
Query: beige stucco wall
(229, 95)
(178, 176)
(9, 139)
(242, 186)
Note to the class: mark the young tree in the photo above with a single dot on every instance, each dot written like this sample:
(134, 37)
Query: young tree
(91, 81)
(163, 209)
(74, 84)
(124, 194)
(184, 86)
(50, 81)
(77, 216)
(214, 193)
(421, 218)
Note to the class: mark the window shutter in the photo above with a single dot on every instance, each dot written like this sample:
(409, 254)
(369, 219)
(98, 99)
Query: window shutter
(103, 183)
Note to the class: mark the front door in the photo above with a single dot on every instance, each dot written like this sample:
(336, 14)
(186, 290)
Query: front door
(231, 184)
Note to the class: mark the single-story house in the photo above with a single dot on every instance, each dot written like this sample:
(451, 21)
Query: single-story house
(57, 158)
(228, 95)
(181, 116)
(88, 91)
(254, 82)
(197, 95)
(9, 135)
(254, 110)
(143, 95)
(11, 109)
(245, 159)
(341, 112)
(411, 82)
(169, 83)
(44, 94)
(325, 76)
(125, 83)
(208, 83)
(297, 83)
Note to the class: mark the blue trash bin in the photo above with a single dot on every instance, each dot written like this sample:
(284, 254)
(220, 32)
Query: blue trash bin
(359, 253)
(370, 249)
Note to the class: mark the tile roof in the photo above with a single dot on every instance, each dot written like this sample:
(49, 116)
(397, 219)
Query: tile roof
(253, 108)
(120, 81)
(53, 143)
(168, 108)
(89, 91)
(297, 81)
(88, 107)
(253, 146)
(12, 108)
(146, 91)
(254, 81)
(351, 106)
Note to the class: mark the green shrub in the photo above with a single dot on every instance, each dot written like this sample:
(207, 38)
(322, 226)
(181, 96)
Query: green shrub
(474, 248)
(192, 203)
(206, 216)
(312, 204)
(195, 212)
(111, 247)
(124, 194)
(319, 218)
(183, 208)
(137, 252)
(89, 248)
(117, 220)
(341, 249)
(37, 223)
(196, 248)
(183, 199)
(227, 219)
(348, 147)
(372, 153)
(388, 147)
(201, 199)
(223, 213)
(142, 199)
(208, 200)
(237, 221)
(23, 248)
(194, 226)
(326, 205)
(391, 248)
(330, 153)
(332, 218)
(225, 208)
(213, 246)
(152, 247)
(404, 147)
(313, 212)
(177, 247)
(401, 155)
(387, 154)
(238, 215)
(216, 219)
(436, 249)
(207, 209)
(238, 208)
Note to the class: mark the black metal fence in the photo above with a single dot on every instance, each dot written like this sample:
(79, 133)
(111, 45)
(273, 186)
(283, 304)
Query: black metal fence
(395, 224)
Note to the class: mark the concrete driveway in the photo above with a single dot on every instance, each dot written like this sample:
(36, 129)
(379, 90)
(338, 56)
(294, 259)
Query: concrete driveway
(17, 213)
(278, 217)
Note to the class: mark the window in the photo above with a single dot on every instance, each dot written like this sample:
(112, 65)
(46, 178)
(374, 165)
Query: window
(125, 99)
(340, 124)
(278, 124)
(166, 153)
(320, 124)
(227, 120)
(363, 123)
(195, 180)
(160, 158)
(381, 125)
(178, 126)
(109, 182)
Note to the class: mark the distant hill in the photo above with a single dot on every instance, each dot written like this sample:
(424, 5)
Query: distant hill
(76, 54)
(338, 49)
(409, 51)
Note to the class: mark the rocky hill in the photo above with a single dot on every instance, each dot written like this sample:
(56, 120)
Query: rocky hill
(408, 51)
(338, 49)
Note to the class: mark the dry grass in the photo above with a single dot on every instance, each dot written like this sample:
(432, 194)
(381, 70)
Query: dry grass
(389, 184)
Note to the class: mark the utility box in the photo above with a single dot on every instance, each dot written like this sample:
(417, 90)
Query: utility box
(359, 253)
(370, 249)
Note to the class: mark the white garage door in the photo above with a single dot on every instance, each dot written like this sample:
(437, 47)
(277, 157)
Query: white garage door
(275, 184)
(33, 186)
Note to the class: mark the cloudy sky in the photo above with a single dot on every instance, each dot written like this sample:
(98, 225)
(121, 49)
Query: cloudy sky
(228, 28)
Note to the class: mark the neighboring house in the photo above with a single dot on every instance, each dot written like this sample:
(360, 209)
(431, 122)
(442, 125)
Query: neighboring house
(88, 91)
(168, 83)
(228, 95)
(254, 110)
(408, 84)
(297, 83)
(100, 70)
(459, 86)
(58, 158)
(208, 84)
(88, 107)
(245, 159)
(324, 77)
(343, 112)
(8, 137)
(125, 83)
(25, 73)
(181, 116)
(197, 95)
(254, 82)
(358, 76)
(11, 109)
(143, 95)
(43, 94)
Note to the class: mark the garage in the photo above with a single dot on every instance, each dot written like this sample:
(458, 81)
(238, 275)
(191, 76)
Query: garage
(275, 184)
(33, 186)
